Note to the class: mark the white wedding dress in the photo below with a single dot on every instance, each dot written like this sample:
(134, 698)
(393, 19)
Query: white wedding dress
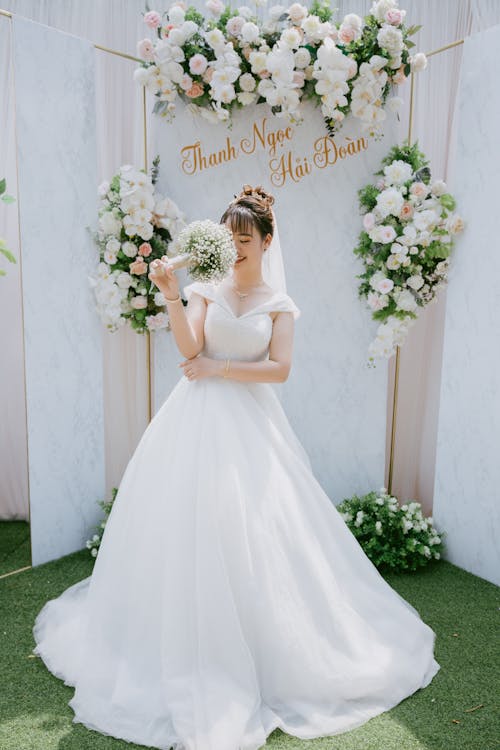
(229, 597)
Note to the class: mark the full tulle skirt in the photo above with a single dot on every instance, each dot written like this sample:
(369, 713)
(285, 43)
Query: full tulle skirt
(229, 597)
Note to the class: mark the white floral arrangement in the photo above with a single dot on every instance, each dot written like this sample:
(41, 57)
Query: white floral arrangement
(395, 537)
(410, 226)
(233, 59)
(136, 225)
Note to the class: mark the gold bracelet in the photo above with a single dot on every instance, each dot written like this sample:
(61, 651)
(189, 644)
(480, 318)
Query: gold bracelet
(226, 369)
(173, 300)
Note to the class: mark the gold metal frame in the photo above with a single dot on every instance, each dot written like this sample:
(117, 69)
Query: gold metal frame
(9, 15)
(396, 371)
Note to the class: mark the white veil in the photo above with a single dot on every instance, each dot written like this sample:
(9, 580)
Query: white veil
(273, 269)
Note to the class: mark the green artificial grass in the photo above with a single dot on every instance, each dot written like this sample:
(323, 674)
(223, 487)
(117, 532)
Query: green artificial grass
(460, 607)
(15, 545)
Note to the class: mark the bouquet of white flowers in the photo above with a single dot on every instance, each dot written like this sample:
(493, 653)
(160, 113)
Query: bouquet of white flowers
(136, 226)
(409, 229)
(206, 249)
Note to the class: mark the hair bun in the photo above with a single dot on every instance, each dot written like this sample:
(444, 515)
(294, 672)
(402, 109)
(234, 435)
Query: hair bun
(256, 192)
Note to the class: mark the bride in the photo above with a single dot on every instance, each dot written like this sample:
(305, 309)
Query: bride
(229, 597)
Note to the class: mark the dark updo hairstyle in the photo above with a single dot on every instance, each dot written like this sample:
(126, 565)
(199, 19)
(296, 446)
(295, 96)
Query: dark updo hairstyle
(251, 207)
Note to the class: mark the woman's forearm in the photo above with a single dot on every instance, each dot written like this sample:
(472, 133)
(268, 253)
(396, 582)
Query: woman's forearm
(183, 333)
(264, 371)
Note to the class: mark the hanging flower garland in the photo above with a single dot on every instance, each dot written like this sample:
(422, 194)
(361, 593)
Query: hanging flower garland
(235, 59)
(410, 226)
(136, 226)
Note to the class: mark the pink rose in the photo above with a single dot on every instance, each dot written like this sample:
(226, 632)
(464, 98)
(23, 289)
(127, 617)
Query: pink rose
(207, 75)
(139, 302)
(346, 34)
(165, 30)
(406, 211)
(152, 19)
(385, 286)
(198, 64)
(386, 233)
(195, 90)
(145, 249)
(264, 73)
(368, 221)
(419, 189)
(145, 49)
(394, 17)
(138, 267)
(186, 82)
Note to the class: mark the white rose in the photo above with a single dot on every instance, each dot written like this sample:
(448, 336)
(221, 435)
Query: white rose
(113, 245)
(297, 12)
(390, 38)
(176, 15)
(216, 7)
(176, 37)
(249, 32)
(129, 249)
(247, 82)
(124, 280)
(418, 62)
(390, 201)
(438, 187)
(302, 58)
(406, 301)
(258, 61)
(110, 257)
(290, 38)
(246, 97)
(415, 282)
(398, 172)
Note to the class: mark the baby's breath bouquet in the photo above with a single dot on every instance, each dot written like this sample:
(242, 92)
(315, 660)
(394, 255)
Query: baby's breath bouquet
(394, 537)
(206, 249)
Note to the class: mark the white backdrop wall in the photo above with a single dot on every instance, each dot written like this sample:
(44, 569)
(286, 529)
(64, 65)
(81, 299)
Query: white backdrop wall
(467, 488)
(56, 148)
(336, 404)
(119, 126)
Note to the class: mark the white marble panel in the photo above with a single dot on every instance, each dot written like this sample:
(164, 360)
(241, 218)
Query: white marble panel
(336, 404)
(56, 142)
(467, 479)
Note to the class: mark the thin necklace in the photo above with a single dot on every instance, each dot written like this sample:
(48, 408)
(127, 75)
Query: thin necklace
(245, 294)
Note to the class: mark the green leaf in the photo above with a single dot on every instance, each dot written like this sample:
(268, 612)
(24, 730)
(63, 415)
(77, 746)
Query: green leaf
(3, 185)
(8, 198)
(413, 29)
(7, 253)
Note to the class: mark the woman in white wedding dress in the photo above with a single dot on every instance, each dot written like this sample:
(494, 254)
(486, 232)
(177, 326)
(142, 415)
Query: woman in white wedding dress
(229, 597)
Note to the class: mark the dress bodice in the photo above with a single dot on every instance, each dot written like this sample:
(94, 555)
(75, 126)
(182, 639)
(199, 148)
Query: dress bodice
(244, 337)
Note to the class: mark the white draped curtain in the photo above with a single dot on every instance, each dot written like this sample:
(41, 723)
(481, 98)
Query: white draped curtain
(117, 24)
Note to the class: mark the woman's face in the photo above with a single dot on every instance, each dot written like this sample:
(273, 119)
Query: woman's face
(250, 246)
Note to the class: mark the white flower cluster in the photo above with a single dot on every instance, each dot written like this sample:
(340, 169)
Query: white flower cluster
(211, 248)
(412, 228)
(277, 60)
(130, 214)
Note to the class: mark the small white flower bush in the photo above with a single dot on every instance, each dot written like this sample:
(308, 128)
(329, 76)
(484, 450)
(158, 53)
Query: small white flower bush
(136, 225)
(94, 543)
(233, 59)
(410, 226)
(394, 537)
